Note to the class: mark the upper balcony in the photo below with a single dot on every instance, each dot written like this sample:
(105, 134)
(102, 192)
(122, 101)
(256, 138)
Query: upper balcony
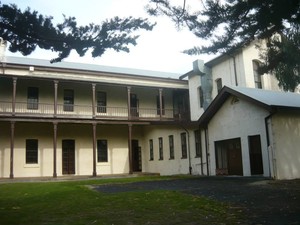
(46, 110)
(46, 99)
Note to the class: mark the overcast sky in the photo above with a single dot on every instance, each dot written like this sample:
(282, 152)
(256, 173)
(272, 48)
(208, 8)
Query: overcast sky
(158, 50)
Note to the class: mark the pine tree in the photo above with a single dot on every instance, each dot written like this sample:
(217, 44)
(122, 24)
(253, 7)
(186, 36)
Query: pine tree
(25, 30)
(233, 24)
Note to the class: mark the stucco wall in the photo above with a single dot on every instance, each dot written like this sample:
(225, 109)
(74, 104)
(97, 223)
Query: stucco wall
(169, 166)
(286, 144)
(116, 136)
(196, 110)
(238, 120)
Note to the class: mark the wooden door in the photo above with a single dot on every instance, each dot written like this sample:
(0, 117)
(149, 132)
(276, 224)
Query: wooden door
(68, 156)
(235, 164)
(136, 156)
(256, 163)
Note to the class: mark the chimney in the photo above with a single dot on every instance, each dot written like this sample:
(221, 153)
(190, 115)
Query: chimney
(206, 81)
(3, 45)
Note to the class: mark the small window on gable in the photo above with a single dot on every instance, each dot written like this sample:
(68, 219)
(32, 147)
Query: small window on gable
(234, 100)
(219, 84)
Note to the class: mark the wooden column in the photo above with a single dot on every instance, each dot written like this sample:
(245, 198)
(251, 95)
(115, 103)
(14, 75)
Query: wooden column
(14, 96)
(94, 149)
(54, 148)
(160, 103)
(128, 102)
(130, 147)
(94, 100)
(55, 97)
(12, 143)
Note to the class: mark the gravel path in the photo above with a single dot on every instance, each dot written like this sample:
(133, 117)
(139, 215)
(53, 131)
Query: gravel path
(263, 201)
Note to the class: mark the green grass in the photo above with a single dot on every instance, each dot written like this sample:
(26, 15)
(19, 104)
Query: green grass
(73, 203)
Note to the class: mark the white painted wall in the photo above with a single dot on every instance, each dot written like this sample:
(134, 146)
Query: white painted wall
(238, 120)
(286, 144)
(225, 71)
(196, 110)
(116, 136)
(168, 166)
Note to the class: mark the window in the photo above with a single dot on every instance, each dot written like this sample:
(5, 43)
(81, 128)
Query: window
(171, 146)
(102, 150)
(32, 98)
(219, 84)
(201, 97)
(151, 149)
(158, 105)
(183, 145)
(160, 148)
(31, 151)
(101, 102)
(198, 143)
(257, 76)
(68, 100)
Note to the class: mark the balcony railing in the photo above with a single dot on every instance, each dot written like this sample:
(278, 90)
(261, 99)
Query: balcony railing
(84, 111)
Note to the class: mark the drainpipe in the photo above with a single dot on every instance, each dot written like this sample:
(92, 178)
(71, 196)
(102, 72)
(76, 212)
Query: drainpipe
(234, 69)
(235, 73)
(201, 157)
(206, 149)
(270, 149)
(189, 150)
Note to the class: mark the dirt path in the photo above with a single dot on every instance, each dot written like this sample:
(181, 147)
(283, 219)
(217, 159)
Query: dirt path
(263, 201)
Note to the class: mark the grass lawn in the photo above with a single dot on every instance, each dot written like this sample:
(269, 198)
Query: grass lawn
(72, 202)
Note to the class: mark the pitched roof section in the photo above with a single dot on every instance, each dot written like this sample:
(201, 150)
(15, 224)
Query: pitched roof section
(88, 67)
(270, 100)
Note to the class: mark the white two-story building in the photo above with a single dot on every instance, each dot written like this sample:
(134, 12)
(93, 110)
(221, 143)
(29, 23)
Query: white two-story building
(220, 118)
(248, 125)
(78, 119)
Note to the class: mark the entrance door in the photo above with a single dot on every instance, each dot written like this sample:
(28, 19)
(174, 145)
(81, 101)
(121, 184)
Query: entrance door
(137, 156)
(235, 165)
(134, 104)
(255, 155)
(229, 157)
(68, 156)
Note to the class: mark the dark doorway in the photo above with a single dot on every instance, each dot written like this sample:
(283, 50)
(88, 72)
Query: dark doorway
(256, 163)
(134, 105)
(229, 157)
(181, 104)
(136, 156)
(68, 156)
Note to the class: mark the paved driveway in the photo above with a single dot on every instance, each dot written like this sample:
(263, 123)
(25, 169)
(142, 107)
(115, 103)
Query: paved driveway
(263, 201)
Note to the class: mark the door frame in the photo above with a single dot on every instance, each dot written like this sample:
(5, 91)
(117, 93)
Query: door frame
(255, 155)
(230, 151)
(68, 147)
(136, 156)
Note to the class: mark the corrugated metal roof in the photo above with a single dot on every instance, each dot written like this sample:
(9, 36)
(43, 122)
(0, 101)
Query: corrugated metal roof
(90, 67)
(271, 98)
